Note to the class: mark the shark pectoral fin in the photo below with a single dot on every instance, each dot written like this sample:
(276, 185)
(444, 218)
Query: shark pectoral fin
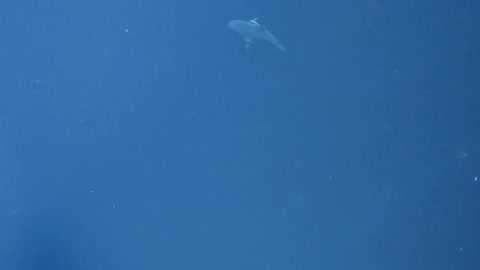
(248, 42)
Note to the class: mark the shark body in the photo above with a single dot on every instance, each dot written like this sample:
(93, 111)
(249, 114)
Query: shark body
(252, 30)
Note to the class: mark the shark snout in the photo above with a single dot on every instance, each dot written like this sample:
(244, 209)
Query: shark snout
(235, 25)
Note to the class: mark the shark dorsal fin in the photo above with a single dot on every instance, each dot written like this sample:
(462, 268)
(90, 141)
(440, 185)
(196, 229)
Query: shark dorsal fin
(254, 21)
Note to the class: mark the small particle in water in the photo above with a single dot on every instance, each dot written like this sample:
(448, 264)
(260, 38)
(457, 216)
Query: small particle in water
(460, 153)
(476, 178)
(126, 30)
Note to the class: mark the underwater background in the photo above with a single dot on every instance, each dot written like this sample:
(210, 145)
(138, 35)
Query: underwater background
(142, 135)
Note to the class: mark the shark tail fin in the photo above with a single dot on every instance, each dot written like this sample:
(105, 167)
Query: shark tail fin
(281, 47)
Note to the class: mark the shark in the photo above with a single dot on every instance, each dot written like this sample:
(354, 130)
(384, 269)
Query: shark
(251, 30)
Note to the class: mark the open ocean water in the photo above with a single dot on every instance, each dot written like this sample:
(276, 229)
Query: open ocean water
(143, 135)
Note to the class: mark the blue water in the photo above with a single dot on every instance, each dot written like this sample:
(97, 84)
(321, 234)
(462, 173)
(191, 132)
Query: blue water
(142, 135)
